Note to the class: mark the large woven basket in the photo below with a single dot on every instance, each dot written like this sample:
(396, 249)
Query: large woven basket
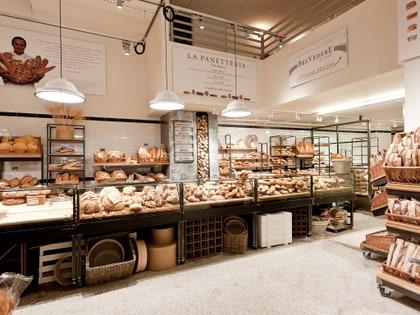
(380, 200)
(397, 273)
(319, 227)
(235, 235)
(377, 171)
(342, 166)
(404, 174)
(381, 240)
(111, 272)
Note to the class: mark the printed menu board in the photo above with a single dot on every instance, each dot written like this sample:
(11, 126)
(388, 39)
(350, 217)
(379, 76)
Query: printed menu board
(408, 29)
(183, 141)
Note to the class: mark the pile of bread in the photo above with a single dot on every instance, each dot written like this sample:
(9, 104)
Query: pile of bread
(203, 170)
(250, 164)
(24, 182)
(146, 154)
(109, 157)
(380, 198)
(278, 161)
(111, 201)
(304, 148)
(282, 186)
(361, 180)
(23, 72)
(250, 155)
(404, 150)
(66, 178)
(19, 145)
(376, 164)
(326, 182)
(404, 256)
(121, 176)
(338, 216)
(286, 151)
(404, 207)
(70, 164)
(216, 192)
(12, 198)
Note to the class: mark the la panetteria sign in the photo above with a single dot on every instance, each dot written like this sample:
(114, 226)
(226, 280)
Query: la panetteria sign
(322, 58)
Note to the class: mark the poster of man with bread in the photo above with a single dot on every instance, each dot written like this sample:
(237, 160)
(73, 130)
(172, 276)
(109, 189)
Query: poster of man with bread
(17, 67)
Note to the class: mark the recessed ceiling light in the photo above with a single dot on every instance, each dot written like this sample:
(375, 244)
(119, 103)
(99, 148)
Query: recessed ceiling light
(120, 4)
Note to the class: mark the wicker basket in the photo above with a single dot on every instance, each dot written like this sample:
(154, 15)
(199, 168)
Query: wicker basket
(404, 174)
(381, 240)
(65, 132)
(342, 166)
(235, 235)
(377, 171)
(380, 200)
(111, 272)
(397, 273)
(319, 227)
(402, 218)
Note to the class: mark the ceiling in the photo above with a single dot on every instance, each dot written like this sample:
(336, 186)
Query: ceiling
(285, 17)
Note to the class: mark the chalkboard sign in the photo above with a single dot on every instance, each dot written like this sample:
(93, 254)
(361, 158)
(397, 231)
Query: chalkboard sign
(183, 141)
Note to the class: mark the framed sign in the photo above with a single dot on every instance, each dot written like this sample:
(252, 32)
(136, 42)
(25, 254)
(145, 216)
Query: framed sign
(408, 29)
(324, 57)
(183, 141)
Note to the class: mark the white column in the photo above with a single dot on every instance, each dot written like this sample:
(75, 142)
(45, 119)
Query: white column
(412, 94)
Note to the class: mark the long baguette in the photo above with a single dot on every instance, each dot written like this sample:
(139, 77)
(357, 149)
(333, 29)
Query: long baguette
(396, 254)
(390, 253)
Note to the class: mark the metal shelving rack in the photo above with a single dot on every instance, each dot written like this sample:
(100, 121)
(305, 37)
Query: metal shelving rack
(283, 142)
(319, 143)
(51, 141)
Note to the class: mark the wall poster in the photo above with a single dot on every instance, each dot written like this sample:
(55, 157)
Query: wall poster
(324, 57)
(408, 30)
(30, 59)
(211, 73)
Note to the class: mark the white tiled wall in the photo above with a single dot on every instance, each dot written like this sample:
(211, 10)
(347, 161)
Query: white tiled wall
(122, 136)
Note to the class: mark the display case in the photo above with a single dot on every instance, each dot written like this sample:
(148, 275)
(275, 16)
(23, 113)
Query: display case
(215, 193)
(283, 187)
(112, 200)
(333, 184)
(38, 204)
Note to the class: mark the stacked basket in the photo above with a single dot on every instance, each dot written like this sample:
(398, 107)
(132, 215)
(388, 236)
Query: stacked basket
(235, 235)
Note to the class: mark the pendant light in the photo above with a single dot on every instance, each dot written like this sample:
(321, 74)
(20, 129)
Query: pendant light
(236, 108)
(166, 100)
(60, 90)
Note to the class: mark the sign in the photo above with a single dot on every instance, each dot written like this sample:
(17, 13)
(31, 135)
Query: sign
(208, 73)
(324, 57)
(84, 63)
(408, 29)
(183, 141)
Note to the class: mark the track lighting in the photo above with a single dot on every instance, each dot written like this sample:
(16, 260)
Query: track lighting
(126, 47)
(394, 125)
(201, 25)
(336, 120)
(280, 43)
(318, 118)
(298, 116)
(120, 4)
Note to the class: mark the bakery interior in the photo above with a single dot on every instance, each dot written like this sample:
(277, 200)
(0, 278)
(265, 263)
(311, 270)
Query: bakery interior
(194, 156)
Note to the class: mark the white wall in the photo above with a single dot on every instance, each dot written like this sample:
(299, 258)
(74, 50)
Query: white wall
(372, 44)
(412, 94)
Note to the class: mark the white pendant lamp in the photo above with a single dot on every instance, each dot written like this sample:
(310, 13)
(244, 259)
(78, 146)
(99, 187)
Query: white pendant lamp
(236, 108)
(166, 100)
(60, 90)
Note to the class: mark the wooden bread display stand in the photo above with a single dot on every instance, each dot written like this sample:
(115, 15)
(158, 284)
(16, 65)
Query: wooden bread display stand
(412, 289)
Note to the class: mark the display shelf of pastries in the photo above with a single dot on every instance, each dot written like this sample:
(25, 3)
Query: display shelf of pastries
(120, 176)
(68, 166)
(26, 181)
(283, 188)
(65, 151)
(361, 181)
(333, 184)
(304, 149)
(25, 147)
(66, 179)
(120, 200)
(34, 205)
(151, 155)
(223, 192)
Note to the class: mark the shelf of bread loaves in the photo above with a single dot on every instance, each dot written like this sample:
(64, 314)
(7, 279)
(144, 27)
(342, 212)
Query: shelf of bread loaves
(334, 184)
(283, 188)
(120, 176)
(128, 200)
(304, 149)
(361, 181)
(223, 192)
(403, 214)
(20, 147)
(147, 156)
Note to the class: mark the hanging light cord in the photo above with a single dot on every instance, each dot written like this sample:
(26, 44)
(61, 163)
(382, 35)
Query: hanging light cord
(61, 43)
(234, 48)
(166, 57)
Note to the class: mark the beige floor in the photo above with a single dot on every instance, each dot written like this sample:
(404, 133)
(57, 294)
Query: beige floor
(320, 275)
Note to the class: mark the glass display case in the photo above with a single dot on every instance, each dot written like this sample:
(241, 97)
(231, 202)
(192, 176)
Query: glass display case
(103, 201)
(217, 193)
(333, 184)
(36, 204)
(283, 187)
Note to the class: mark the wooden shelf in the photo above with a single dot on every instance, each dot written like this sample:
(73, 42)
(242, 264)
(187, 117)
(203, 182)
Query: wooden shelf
(373, 249)
(67, 140)
(123, 164)
(404, 227)
(407, 288)
(65, 155)
(238, 149)
(283, 196)
(20, 156)
(246, 159)
(403, 187)
(305, 156)
(217, 202)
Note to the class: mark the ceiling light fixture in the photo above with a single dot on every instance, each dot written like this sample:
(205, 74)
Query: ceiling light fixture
(280, 43)
(236, 108)
(126, 47)
(298, 116)
(201, 25)
(318, 118)
(386, 97)
(336, 120)
(166, 100)
(394, 125)
(120, 4)
(59, 89)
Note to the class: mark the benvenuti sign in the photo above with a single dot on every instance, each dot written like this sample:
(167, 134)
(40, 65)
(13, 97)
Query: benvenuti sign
(324, 57)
